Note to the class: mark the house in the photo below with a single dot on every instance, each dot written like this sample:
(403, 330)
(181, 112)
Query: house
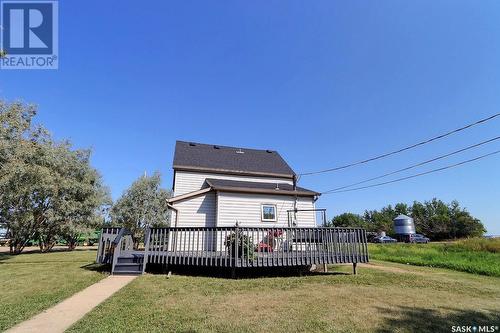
(220, 186)
(235, 208)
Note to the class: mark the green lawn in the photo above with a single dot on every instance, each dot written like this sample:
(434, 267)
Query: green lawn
(383, 297)
(465, 256)
(31, 283)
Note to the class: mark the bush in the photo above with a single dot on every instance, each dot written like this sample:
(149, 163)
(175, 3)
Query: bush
(243, 243)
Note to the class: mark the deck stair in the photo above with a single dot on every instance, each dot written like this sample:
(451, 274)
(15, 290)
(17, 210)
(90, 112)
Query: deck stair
(130, 264)
(116, 248)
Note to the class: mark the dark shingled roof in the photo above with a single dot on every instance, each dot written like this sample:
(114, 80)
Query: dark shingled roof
(255, 187)
(222, 159)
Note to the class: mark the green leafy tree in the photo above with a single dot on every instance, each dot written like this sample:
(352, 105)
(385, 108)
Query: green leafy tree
(382, 220)
(420, 218)
(142, 205)
(439, 220)
(83, 200)
(43, 184)
(347, 220)
(433, 218)
(401, 208)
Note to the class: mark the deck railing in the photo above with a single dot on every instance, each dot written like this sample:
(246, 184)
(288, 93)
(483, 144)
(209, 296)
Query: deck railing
(255, 247)
(105, 247)
(113, 243)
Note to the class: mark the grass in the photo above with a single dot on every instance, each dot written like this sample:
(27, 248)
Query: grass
(491, 245)
(479, 256)
(383, 297)
(33, 282)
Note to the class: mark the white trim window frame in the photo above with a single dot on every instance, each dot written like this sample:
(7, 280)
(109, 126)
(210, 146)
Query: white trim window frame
(263, 219)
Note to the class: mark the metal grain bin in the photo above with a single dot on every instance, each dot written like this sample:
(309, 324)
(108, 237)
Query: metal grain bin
(403, 225)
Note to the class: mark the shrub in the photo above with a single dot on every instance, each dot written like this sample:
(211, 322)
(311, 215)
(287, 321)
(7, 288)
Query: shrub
(243, 243)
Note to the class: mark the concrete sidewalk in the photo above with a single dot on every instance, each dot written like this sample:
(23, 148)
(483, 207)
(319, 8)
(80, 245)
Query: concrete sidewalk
(61, 316)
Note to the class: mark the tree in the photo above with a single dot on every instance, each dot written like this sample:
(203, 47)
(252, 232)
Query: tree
(433, 218)
(142, 205)
(43, 184)
(347, 220)
(439, 220)
(83, 200)
(401, 208)
(381, 221)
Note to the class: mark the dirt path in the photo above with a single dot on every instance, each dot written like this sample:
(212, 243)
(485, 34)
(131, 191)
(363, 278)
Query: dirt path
(61, 316)
(391, 269)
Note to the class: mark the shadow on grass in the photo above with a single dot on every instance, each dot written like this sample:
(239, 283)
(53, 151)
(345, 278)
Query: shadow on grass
(407, 319)
(101, 268)
(241, 273)
(6, 255)
(34, 250)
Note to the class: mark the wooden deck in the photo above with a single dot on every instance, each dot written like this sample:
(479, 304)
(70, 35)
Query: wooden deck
(255, 247)
(234, 247)
(219, 259)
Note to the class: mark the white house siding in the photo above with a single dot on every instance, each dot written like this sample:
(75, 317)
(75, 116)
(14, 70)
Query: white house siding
(197, 211)
(246, 209)
(186, 182)
(224, 209)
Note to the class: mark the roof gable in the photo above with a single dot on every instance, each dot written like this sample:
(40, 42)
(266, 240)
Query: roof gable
(223, 159)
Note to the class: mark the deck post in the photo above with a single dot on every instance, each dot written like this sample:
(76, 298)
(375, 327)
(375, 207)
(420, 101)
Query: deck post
(146, 249)
(354, 268)
(236, 246)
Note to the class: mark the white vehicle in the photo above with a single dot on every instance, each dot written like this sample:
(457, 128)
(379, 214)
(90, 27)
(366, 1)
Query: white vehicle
(3, 235)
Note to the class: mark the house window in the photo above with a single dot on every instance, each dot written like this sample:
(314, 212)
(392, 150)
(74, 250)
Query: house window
(269, 213)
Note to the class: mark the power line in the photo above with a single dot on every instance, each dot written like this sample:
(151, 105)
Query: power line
(402, 149)
(414, 165)
(416, 175)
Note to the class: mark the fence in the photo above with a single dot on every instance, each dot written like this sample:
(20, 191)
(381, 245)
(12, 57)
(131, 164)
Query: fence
(255, 247)
(105, 247)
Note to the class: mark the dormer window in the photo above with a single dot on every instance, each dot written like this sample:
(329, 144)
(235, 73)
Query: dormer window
(268, 213)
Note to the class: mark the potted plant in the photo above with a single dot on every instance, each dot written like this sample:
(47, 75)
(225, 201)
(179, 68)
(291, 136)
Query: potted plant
(240, 244)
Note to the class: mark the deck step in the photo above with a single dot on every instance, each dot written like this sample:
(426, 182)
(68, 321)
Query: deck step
(128, 267)
(131, 259)
(127, 273)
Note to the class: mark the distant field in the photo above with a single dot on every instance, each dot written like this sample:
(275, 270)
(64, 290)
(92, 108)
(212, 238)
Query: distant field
(479, 256)
(32, 282)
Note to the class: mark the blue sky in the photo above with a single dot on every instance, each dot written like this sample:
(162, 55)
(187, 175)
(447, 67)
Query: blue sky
(324, 83)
